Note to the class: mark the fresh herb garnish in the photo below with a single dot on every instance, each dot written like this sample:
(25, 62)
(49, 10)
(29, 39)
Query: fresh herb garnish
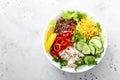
(52, 23)
(77, 36)
(98, 26)
(56, 59)
(63, 63)
(78, 64)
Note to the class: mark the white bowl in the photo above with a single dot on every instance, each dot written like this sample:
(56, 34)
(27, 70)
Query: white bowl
(82, 68)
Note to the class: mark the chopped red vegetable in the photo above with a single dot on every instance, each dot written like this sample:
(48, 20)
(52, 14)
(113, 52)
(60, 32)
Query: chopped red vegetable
(57, 47)
(72, 27)
(58, 39)
(61, 42)
(64, 43)
(53, 53)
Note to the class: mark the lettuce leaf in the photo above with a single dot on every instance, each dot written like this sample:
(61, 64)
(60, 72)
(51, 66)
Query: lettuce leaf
(77, 16)
(78, 64)
(98, 26)
(52, 23)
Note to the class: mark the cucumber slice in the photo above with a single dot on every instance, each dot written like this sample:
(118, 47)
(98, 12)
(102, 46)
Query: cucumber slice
(96, 37)
(83, 47)
(90, 60)
(86, 49)
(99, 52)
(79, 45)
(102, 38)
(96, 42)
(92, 49)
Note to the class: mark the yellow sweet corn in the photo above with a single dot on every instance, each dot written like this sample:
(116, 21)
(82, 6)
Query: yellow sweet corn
(87, 28)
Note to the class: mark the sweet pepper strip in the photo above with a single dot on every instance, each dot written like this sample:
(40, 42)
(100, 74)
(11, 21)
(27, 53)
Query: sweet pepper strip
(61, 42)
(57, 47)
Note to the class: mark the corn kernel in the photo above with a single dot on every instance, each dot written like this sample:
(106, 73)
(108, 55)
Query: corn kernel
(87, 28)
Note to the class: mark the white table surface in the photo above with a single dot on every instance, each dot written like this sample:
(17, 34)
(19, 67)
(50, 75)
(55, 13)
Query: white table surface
(21, 27)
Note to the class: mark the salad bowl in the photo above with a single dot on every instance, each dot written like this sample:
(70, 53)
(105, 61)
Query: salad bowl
(92, 39)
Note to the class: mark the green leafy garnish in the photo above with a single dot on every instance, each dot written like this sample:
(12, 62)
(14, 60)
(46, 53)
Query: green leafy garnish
(52, 23)
(56, 59)
(78, 64)
(63, 63)
(76, 37)
(77, 16)
(98, 26)
(81, 15)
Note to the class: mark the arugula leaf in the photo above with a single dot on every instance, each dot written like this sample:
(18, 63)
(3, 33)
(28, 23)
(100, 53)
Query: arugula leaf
(90, 60)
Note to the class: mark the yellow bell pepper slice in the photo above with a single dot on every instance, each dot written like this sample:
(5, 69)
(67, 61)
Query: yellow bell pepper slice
(48, 32)
(50, 41)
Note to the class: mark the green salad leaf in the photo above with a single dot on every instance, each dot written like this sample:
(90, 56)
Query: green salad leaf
(56, 59)
(52, 23)
(81, 15)
(98, 26)
(76, 37)
(63, 63)
(77, 16)
(78, 64)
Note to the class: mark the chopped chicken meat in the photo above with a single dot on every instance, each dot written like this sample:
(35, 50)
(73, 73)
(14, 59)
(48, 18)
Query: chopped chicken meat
(71, 55)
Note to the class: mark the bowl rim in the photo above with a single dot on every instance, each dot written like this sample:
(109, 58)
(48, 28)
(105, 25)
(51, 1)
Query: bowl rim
(88, 67)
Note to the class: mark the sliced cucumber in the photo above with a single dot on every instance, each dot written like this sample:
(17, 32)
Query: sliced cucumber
(86, 49)
(96, 42)
(99, 51)
(90, 60)
(79, 45)
(83, 47)
(96, 37)
(102, 38)
(92, 49)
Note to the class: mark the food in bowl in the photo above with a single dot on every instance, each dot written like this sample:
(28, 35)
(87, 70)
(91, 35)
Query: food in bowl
(74, 40)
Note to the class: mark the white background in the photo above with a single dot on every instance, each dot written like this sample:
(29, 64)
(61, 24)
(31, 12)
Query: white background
(21, 27)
